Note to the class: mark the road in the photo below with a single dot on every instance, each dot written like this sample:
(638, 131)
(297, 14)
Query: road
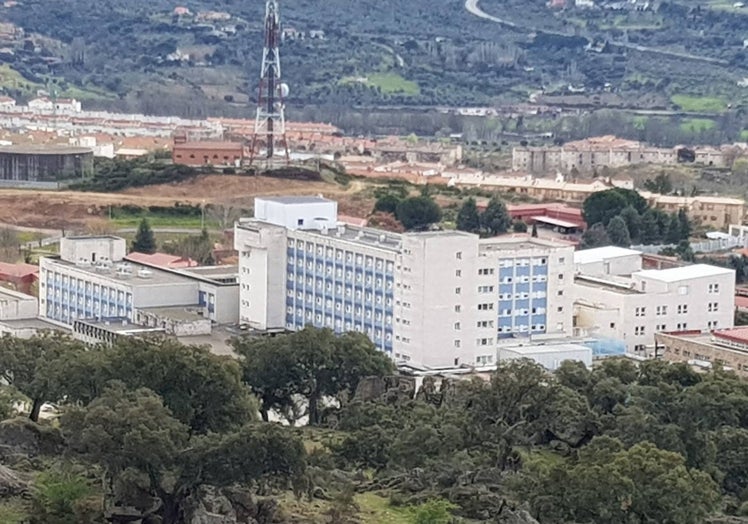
(474, 9)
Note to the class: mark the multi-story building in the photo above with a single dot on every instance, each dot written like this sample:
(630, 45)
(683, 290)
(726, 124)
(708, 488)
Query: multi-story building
(436, 299)
(614, 298)
(91, 280)
(727, 348)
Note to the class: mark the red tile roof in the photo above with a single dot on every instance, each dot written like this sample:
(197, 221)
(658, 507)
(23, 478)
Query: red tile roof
(739, 334)
(161, 260)
(18, 270)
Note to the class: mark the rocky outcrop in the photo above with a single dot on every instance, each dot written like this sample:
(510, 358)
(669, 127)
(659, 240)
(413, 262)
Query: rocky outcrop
(390, 388)
(11, 485)
(20, 438)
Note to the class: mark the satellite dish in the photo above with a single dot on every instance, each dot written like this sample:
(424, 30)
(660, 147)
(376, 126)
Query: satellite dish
(283, 90)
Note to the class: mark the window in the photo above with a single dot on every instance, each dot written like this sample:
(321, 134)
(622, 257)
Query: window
(640, 311)
(661, 310)
(560, 309)
(683, 290)
(682, 326)
(457, 343)
(713, 306)
(661, 327)
(485, 324)
(639, 330)
(458, 290)
(639, 348)
(682, 309)
(560, 276)
(457, 326)
(458, 273)
(485, 271)
(485, 307)
(484, 341)
(712, 324)
(560, 292)
(714, 288)
(458, 309)
(458, 255)
(612, 325)
(561, 260)
(485, 289)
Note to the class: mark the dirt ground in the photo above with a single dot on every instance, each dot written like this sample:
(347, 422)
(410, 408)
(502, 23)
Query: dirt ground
(69, 209)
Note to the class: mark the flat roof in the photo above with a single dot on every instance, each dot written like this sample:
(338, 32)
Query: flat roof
(37, 149)
(515, 241)
(33, 323)
(598, 254)
(683, 273)
(545, 348)
(739, 334)
(155, 275)
(554, 221)
(186, 313)
(11, 294)
(211, 271)
(295, 199)
(119, 326)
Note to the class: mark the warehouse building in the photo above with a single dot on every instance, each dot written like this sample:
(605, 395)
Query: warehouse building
(45, 163)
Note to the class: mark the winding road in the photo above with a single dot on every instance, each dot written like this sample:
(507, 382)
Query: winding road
(474, 9)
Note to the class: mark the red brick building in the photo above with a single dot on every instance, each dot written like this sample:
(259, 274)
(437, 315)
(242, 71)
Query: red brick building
(20, 277)
(219, 154)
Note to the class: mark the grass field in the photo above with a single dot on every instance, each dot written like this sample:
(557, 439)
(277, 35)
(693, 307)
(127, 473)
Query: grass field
(699, 104)
(696, 125)
(12, 80)
(389, 83)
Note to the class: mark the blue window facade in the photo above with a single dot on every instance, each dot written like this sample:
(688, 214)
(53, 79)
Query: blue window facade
(340, 289)
(523, 296)
(69, 298)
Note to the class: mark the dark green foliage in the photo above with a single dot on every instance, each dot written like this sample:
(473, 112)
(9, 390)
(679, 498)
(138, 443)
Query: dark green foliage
(634, 223)
(145, 241)
(311, 364)
(519, 226)
(604, 205)
(534, 233)
(618, 233)
(418, 213)
(660, 184)
(595, 236)
(56, 497)
(115, 175)
(650, 229)
(468, 218)
(196, 247)
(495, 218)
(387, 203)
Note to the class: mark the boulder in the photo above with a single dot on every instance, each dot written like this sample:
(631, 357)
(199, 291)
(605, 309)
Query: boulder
(20, 437)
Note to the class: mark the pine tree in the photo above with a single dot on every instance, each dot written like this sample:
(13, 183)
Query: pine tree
(650, 230)
(595, 236)
(684, 224)
(468, 218)
(144, 241)
(618, 233)
(495, 219)
(633, 223)
(673, 235)
(534, 233)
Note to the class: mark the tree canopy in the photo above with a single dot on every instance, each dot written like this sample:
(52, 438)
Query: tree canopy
(145, 241)
(418, 212)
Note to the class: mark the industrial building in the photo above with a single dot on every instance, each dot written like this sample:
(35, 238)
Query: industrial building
(615, 299)
(432, 299)
(45, 163)
(91, 281)
(550, 356)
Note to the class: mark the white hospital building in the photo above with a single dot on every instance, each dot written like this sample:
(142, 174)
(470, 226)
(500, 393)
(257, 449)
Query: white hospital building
(432, 299)
(614, 298)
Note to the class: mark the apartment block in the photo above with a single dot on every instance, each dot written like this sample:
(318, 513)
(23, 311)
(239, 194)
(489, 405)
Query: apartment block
(435, 299)
(614, 298)
(92, 281)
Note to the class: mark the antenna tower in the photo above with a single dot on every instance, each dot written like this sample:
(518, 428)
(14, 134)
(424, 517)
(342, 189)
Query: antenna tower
(270, 121)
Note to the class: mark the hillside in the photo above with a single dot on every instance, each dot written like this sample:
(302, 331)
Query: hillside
(129, 54)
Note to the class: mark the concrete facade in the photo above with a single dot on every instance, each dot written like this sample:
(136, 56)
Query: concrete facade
(435, 299)
(615, 299)
(45, 163)
(727, 348)
(17, 306)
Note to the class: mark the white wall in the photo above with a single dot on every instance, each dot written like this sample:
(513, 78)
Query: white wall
(17, 306)
(307, 213)
(262, 275)
(73, 249)
(549, 359)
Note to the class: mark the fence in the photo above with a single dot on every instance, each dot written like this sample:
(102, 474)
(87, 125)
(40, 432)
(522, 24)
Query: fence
(705, 246)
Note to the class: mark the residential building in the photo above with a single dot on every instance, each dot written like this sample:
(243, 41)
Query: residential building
(614, 298)
(609, 151)
(91, 280)
(17, 306)
(434, 299)
(708, 211)
(20, 277)
(727, 348)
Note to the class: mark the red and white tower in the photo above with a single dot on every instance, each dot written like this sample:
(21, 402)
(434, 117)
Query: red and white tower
(270, 122)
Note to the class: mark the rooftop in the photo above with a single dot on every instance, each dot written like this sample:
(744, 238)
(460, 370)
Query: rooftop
(295, 199)
(29, 149)
(544, 348)
(10, 294)
(138, 274)
(598, 254)
(180, 314)
(120, 326)
(677, 274)
(210, 145)
(516, 242)
(160, 259)
(18, 270)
